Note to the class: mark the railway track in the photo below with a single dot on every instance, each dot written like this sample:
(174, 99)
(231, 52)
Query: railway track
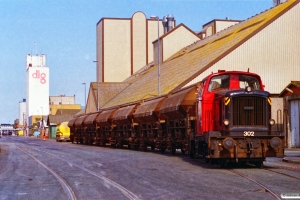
(71, 196)
(68, 190)
(289, 168)
(271, 170)
(272, 193)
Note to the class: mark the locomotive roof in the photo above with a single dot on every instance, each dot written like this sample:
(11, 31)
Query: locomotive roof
(221, 72)
(191, 61)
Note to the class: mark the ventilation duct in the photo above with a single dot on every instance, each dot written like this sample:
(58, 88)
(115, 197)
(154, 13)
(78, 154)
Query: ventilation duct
(168, 23)
(170, 19)
(165, 24)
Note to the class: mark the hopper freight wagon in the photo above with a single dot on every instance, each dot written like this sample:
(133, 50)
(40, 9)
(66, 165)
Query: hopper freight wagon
(224, 118)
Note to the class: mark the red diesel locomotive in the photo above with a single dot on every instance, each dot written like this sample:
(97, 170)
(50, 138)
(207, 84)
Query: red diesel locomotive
(224, 118)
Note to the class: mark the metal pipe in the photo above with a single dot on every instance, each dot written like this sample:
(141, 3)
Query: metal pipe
(158, 53)
(96, 61)
(84, 96)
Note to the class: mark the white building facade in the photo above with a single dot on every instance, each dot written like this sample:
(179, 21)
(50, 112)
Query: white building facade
(37, 87)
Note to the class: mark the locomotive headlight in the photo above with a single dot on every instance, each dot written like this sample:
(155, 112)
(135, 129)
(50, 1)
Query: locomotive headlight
(271, 122)
(275, 142)
(228, 143)
(226, 122)
(248, 89)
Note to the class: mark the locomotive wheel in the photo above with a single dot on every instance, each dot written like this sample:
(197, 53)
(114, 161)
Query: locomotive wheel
(258, 164)
(222, 163)
(206, 159)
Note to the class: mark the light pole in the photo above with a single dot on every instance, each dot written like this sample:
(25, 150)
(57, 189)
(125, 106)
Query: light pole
(158, 53)
(61, 96)
(96, 61)
(42, 118)
(84, 95)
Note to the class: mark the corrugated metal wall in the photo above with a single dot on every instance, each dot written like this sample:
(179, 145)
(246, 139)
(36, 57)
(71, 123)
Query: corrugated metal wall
(295, 121)
(272, 53)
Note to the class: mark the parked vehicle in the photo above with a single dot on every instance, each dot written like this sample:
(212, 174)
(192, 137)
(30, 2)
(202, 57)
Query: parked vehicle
(62, 132)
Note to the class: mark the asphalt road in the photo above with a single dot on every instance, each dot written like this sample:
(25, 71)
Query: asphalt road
(31, 168)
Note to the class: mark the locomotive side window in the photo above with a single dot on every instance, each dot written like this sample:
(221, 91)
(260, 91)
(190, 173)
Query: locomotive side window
(246, 80)
(219, 82)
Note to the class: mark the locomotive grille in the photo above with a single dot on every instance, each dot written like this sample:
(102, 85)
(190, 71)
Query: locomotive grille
(249, 111)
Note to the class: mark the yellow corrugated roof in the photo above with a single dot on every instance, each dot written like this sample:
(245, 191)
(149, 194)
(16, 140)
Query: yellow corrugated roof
(192, 60)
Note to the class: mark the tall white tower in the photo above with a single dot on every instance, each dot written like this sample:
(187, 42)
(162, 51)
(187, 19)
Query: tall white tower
(37, 87)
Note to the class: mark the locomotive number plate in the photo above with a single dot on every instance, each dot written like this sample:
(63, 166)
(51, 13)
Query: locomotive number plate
(248, 133)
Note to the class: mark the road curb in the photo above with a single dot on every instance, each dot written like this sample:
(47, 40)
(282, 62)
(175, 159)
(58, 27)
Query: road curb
(291, 160)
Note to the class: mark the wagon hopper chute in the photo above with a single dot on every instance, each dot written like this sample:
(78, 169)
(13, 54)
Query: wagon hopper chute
(90, 136)
(126, 129)
(179, 110)
(151, 124)
(106, 126)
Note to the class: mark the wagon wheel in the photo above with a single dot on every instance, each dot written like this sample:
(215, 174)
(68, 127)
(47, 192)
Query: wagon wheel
(144, 147)
(152, 147)
(182, 151)
(121, 144)
(173, 149)
(102, 143)
(136, 147)
(192, 155)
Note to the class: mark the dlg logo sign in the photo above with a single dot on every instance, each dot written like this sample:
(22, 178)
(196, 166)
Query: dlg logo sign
(39, 75)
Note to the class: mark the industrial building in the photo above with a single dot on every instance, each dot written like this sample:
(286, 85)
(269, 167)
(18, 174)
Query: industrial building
(266, 44)
(37, 89)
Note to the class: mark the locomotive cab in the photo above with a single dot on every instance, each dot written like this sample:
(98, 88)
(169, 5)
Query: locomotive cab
(234, 120)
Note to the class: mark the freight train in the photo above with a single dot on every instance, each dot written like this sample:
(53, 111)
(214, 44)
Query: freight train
(224, 118)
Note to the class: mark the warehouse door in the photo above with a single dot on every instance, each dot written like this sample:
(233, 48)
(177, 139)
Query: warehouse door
(295, 121)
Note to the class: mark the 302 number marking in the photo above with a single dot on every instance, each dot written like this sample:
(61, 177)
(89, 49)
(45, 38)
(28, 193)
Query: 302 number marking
(248, 133)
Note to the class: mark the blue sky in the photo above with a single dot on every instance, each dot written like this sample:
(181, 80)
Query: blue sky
(65, 30)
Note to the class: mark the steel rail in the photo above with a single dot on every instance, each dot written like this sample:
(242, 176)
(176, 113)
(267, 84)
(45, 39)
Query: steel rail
(289, 168)
(271, 170)
(130, 195)
(65, 186)
(258, 183)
